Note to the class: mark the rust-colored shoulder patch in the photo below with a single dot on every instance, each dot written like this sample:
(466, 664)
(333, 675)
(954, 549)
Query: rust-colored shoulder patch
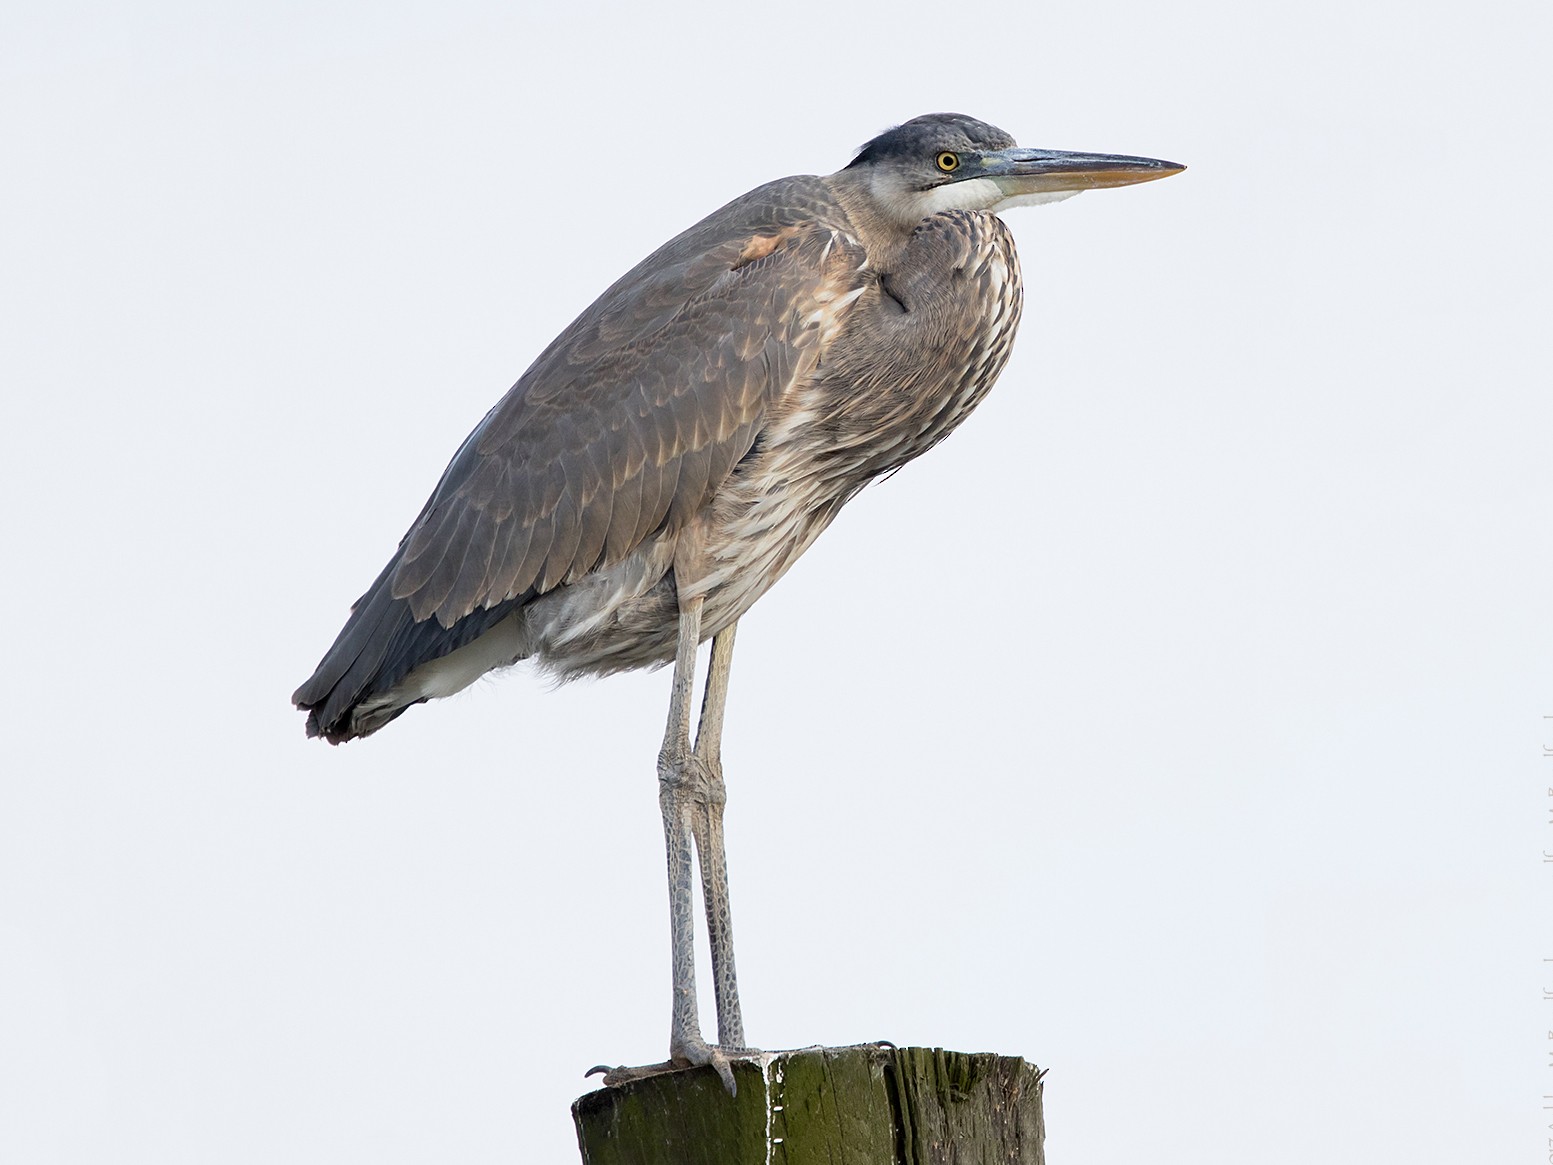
(759, 247)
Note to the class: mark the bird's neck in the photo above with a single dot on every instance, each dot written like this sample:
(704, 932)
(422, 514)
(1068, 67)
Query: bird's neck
(882, 237)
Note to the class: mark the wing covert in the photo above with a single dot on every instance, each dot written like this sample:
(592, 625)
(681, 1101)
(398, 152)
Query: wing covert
(632, 417)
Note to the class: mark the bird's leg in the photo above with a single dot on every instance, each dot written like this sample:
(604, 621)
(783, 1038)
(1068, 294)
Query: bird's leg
(678, 796)
(690, 793)
(708, 828)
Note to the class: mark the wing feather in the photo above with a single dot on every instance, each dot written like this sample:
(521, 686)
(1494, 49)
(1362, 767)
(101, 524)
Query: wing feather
(501, 552)
(450, 561)
(567, 534)
(626, 512)
(635, 415)
(541, 537)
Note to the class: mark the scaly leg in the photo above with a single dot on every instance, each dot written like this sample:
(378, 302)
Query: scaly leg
(707, 826)
(690, 794)
(678, 797)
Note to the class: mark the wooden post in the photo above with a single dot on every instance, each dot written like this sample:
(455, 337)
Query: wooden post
(868, 1105)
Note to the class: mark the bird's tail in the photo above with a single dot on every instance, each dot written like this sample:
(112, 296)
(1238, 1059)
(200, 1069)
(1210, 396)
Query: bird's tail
(356, 688)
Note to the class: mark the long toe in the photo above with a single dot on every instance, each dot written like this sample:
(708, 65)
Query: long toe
(624, 1074)
(687, 1055)
(720, 1058)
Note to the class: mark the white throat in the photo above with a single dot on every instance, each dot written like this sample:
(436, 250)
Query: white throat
(1034, 198)
(912, 206)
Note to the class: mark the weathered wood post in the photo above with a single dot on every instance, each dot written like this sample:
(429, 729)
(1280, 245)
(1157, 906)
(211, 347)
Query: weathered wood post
(868, 1105)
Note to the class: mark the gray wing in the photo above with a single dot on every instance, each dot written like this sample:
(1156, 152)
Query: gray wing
(625, 425)
(630, 420)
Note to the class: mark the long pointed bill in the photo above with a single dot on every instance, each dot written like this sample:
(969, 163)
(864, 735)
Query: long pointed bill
(1020, 171)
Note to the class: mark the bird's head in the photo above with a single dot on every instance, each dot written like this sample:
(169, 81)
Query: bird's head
(947, 161)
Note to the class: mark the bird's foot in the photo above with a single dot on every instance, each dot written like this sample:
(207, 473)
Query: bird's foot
(690, 1054)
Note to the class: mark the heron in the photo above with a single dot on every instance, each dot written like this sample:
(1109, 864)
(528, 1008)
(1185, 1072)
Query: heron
(681, 443)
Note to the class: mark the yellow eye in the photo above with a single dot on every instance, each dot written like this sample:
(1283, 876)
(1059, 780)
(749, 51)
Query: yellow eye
(948, 162)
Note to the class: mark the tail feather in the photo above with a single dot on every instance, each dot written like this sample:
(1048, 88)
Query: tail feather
(380, 644)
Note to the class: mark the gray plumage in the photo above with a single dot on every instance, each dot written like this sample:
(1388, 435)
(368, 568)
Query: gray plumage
(682, 443)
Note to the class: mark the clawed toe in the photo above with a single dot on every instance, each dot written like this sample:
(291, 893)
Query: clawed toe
(719, 1061)
(624, 1074)
(694, 1055)
(700, 1052)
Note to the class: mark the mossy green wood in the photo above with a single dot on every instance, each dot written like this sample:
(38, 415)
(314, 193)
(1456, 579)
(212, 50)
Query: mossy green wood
(866, 1105)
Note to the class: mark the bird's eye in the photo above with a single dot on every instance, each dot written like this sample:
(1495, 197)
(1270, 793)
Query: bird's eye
(948, 162)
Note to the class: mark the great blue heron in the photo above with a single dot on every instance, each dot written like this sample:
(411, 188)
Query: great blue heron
(672, 453)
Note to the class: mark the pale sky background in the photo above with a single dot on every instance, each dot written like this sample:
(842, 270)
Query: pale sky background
(1176, 725)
